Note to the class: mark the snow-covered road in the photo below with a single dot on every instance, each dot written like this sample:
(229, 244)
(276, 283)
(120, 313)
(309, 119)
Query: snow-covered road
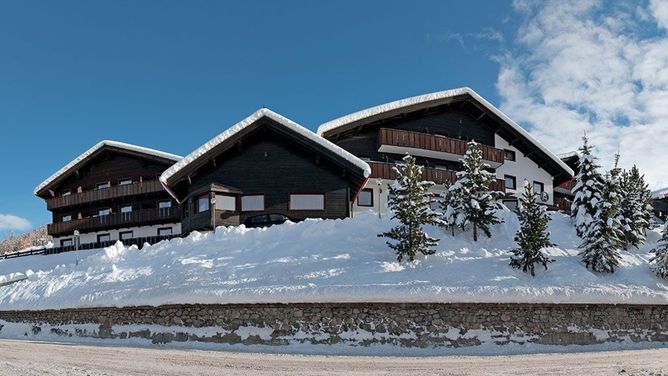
(31, 358)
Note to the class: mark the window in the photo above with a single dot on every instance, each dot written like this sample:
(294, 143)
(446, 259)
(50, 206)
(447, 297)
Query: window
(365, 197)
(104, 185)
(125, 235)
(66, 242)
(66, 193)
(228, 203)
(252, 203)
(165, 231)
(164, 204)
(103, 212)
(126, 209)
(307, 202)
(511, 182)
(202, 203)
(538, 187)
(67, 218)
(125, 181)
(510, 204)
(104, 238)
(509, 155)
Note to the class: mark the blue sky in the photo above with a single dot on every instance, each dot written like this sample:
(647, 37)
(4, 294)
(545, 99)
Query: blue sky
(170, 75)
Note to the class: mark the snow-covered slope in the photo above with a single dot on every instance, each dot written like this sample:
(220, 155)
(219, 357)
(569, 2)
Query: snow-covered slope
(322, 261)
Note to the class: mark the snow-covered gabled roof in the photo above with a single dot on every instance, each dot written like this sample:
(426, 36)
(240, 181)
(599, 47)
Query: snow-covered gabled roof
(98, 146)
(257, 115)
(660, 194)
(435, 99)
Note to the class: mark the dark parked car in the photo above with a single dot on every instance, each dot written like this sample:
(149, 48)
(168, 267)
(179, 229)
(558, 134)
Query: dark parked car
(265, 220)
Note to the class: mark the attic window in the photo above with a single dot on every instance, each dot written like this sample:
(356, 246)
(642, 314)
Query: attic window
(104, 185)
(66, 193)
(509, 155)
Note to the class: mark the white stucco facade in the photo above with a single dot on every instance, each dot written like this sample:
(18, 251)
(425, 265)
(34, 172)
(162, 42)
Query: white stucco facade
(137, 232)
(523, 168)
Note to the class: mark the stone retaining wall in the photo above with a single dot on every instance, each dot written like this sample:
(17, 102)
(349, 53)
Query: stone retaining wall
(406, 325)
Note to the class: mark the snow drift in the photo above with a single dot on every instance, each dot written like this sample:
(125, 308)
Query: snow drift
(324, 261)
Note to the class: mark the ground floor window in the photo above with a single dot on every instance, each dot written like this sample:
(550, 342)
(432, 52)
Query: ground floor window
(67, 218)
(103, 212)
(104, 238)
(202, 203)
(511, 204)
(307, 202)
(164, 231)
(365, 198)
(164, 204)
(224, 202)
(126, 209)
(252, 203)
(125, 235)
(511, 182)
(66, 243)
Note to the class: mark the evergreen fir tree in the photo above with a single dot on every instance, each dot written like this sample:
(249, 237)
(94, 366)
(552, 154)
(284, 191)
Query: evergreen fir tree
(602, 239)
(410, 201)
(587, 190)
(451, 204)
(532, 237)
(636, 207)
(471, 200)
(660, 256)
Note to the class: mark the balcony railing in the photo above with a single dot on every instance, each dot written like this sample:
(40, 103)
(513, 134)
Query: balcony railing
(117, 220)
(433, 146)
(148, 186)
(384, 170)
(568, 185)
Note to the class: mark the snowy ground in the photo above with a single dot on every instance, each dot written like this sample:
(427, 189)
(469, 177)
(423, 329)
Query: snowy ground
(322, 261)
(30, 358)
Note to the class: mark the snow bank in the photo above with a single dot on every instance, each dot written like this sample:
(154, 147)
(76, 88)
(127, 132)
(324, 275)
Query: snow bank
(323, 261)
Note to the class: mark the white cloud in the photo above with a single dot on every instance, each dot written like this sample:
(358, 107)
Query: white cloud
(586, 65)
(12, 222)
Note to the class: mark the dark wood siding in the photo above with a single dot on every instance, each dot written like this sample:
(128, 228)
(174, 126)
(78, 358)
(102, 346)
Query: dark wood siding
(268, 163)
(112, 166)
(446, 121)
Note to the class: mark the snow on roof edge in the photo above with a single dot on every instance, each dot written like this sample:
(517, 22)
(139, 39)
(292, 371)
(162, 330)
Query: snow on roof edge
(363, 114)
(263, 112)
(96, 147)
(569, 154)
(660, 193)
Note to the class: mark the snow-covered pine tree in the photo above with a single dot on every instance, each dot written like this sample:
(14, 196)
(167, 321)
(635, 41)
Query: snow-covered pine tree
(474, 200)
(602, 239)
(659, 258)
(532, 237)
(587, 190)
(451, 203)
(410, 201)
(636, 207)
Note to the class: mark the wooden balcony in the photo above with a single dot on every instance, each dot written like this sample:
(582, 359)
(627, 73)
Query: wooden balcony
(386, 171)
(134, 189)
(432, 146)
(142, 217)
(568, 185)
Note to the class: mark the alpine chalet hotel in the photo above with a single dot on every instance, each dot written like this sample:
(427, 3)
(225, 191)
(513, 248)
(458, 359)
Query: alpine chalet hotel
(267, 169)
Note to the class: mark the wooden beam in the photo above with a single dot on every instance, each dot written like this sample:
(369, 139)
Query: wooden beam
(481, 116)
